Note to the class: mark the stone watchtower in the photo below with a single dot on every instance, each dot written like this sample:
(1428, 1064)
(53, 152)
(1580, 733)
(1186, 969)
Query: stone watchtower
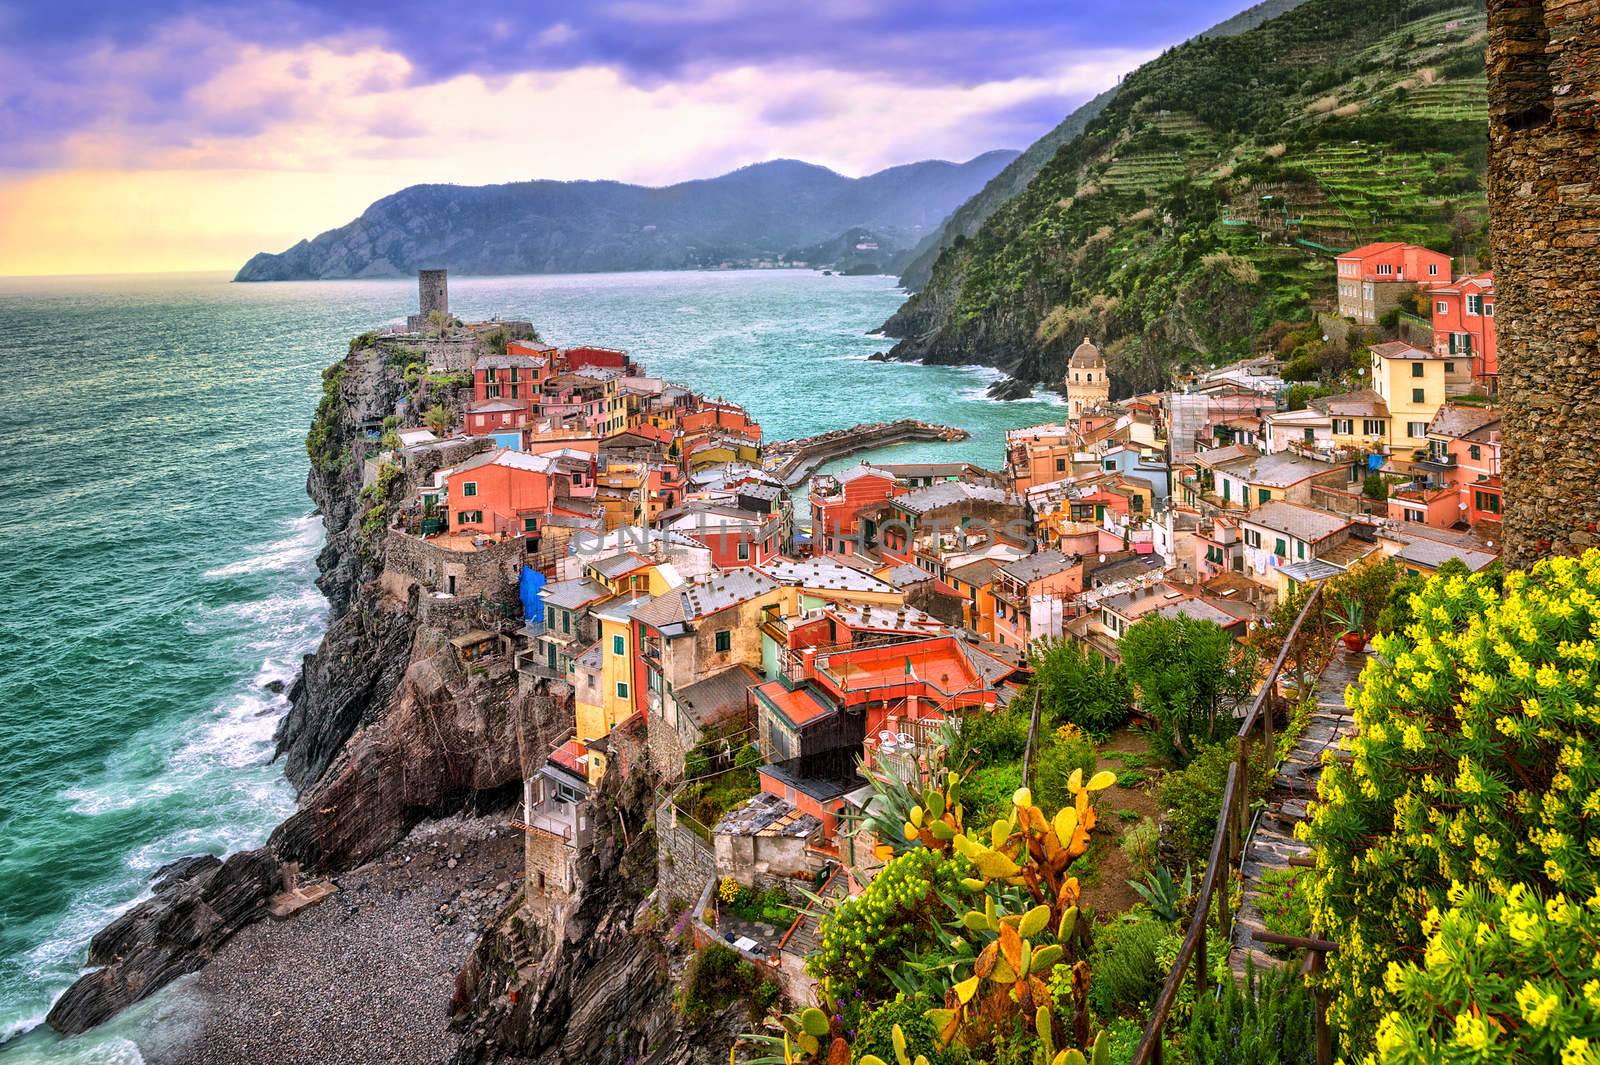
(1088, 385)
(433, 294)
(1544, 214)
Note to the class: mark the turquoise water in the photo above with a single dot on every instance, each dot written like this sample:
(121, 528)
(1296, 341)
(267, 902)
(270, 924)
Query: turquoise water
(161, 550)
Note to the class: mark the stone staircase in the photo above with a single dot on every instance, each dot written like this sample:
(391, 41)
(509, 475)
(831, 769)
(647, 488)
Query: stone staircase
(1273, 845)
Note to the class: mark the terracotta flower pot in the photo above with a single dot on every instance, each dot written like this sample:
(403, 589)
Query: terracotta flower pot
(1354, 641)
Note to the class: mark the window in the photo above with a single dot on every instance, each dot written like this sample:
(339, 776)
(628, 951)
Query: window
(1299, 549)
(1419, 395)
(469, 488)
(1416, 369)
(1227, 490)
(1433, 271)
(513, 377)
(1416, 430)
(622, 689)
(744, 552)
(1343, 426)
(1372, 426)
(1488, 310)
(1280, 548)
(566, 621)
(469, 517)
(1474, 452)
(1061, 465)
(619, 646)
(549, 617)
(1309, 436)
(1488, 501)
(1263, 495)
(1474, 304)
(513, 391)
(489, 374)
(723, 640)
(1449, 368)
(491, 391)
(1384, 269)
(530, 524)
(1441, 307)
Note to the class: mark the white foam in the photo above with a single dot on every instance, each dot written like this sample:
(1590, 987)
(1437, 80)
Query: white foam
(296, 549)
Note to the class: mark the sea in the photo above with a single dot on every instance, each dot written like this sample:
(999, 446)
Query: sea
(160, 548)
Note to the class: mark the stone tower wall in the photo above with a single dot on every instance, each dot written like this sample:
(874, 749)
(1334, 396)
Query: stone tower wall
(1544, 200)
(433, 292)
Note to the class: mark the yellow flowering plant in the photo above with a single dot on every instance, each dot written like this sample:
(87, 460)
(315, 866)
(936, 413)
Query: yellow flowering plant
(1472, 773)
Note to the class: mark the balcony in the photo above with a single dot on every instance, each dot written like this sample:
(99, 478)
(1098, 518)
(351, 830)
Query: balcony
(545, 822)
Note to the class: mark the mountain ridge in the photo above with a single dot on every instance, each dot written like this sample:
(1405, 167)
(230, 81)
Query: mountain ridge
(1204, 202)
(756, 212)
(965, 220)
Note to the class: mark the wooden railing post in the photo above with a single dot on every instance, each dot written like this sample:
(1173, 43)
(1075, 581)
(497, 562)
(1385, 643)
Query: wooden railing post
(1320, 996)
(1200, 962)
(1266, 714)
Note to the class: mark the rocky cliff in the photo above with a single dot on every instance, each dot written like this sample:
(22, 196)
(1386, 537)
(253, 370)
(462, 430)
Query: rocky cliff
(591, 979)
(386, 727)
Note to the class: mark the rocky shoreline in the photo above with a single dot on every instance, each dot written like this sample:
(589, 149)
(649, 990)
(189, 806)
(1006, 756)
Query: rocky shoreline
(367, 973)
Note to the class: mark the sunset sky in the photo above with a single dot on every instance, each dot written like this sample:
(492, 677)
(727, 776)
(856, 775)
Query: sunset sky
(176, 135)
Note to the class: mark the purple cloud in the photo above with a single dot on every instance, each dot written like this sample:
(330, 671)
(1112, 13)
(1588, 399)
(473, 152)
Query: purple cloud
(57, 87)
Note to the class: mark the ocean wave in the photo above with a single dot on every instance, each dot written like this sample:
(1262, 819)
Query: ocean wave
(296, 549)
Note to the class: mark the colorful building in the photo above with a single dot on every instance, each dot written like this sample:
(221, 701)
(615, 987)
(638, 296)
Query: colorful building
(1374, 278)
(1413, 384)
(1463, 327)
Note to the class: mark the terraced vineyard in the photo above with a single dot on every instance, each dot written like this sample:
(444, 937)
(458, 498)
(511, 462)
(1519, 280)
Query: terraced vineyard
(1203, 203)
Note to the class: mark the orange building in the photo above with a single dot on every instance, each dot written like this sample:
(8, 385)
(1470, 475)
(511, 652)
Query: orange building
(510, 493)
(1463, 325)
(836, 505)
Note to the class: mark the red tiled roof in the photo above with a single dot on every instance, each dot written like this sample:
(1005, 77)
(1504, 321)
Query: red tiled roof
(569, 756)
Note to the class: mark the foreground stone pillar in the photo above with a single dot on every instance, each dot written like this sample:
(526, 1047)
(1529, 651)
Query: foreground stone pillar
(1544, 202)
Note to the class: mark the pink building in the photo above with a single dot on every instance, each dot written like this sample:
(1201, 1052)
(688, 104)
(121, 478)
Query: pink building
(1373, 278)
(1459, 482)
(1463, 324)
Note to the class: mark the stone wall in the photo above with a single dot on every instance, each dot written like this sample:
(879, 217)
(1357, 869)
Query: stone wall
(490, 573)
(685, 863)
(1544, 202)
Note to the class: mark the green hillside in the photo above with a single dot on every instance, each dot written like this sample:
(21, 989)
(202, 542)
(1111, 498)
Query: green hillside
(1200, 205)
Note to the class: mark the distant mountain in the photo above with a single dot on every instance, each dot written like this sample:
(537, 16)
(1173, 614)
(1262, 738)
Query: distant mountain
(970, 216)
(754, 214)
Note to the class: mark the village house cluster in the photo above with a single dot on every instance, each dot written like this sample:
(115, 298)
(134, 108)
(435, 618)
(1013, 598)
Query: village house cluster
(658, 575)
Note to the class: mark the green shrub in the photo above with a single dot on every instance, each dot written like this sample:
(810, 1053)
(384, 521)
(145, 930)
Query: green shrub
(1284, 900)
(1080, 687)
(1124, 972)
(1473, 767)
(892, 919)
(877, 1031)
(1139, 845)
(715, 977)
(1067, 751)
(1190, 675)
(1193, 796)
(1271, 1020)
(987, 792)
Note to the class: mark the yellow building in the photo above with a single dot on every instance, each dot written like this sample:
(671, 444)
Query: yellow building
(1413, 385)
(1088, 383)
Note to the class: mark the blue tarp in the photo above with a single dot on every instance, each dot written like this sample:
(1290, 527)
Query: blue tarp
(1375, 462)
(531, 590)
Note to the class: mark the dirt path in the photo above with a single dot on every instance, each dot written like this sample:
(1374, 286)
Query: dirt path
(1107, 892)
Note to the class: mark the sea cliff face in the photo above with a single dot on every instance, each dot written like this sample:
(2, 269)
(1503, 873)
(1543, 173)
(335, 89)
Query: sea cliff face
(386, 730)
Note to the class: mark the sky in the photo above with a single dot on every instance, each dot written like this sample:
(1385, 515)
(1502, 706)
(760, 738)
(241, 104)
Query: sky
(187, 135)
